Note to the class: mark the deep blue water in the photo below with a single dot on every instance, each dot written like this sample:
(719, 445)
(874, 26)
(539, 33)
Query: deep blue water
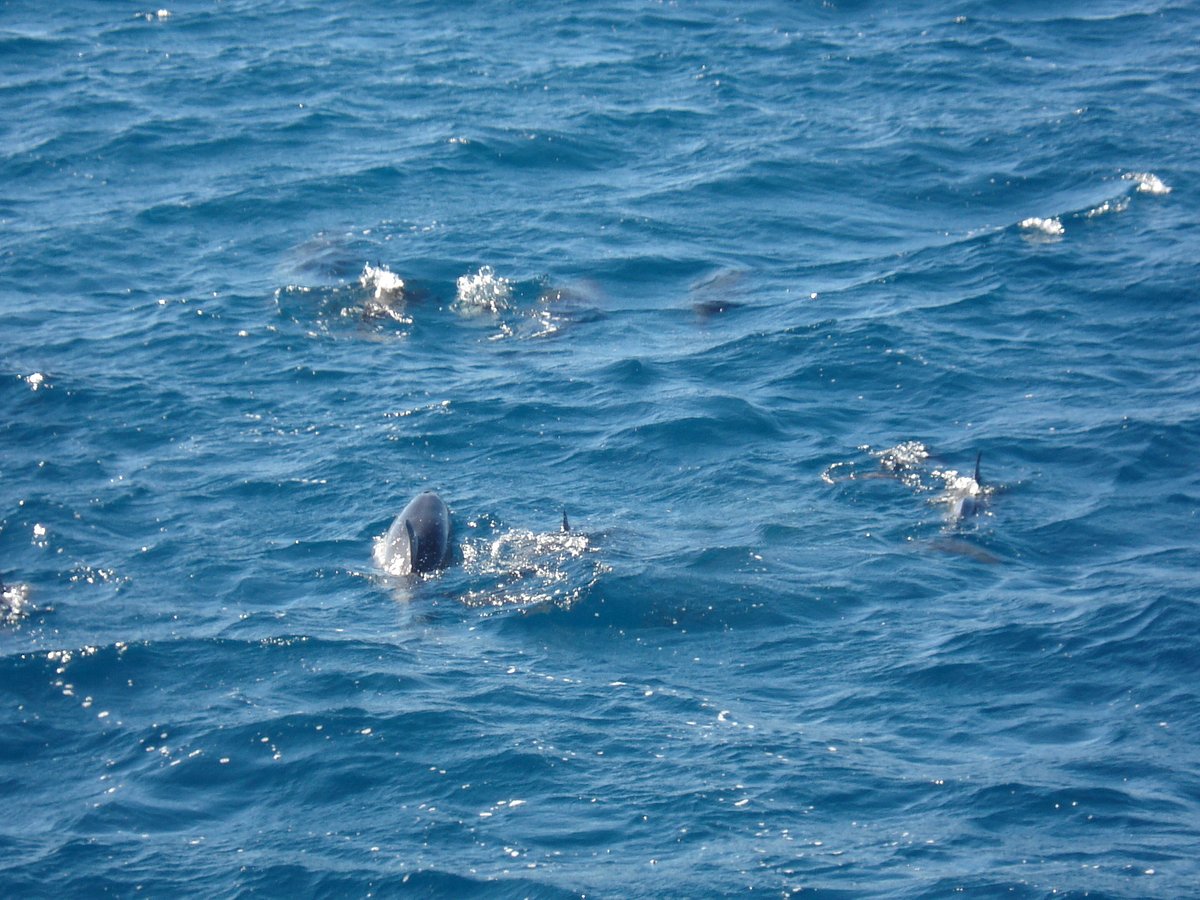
(744, 289)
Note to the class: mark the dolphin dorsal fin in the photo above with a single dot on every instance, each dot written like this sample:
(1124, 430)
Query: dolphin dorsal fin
(566, 526)
(413, 553)
(978, 457)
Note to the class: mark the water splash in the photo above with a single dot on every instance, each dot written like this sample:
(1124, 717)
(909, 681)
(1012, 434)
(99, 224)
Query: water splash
(901, 462)
(483, 292)
(386, 284)
(14, 603)
(530, 569)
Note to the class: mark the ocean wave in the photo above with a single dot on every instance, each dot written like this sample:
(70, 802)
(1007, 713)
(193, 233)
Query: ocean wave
(1051, 227)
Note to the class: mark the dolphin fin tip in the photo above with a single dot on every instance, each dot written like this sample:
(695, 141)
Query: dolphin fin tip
(566, 526)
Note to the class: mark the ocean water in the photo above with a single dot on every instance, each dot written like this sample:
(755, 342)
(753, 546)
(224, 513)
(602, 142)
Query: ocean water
(744, 290)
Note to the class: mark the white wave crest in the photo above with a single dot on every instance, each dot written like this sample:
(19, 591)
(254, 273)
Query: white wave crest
(1052, 227)
(1120, 204)
(1148, 183)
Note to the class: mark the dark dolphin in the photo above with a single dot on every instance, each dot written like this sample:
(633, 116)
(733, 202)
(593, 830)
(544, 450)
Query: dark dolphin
(419, 539)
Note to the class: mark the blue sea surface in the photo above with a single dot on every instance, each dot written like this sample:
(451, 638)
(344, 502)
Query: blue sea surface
(743, 289)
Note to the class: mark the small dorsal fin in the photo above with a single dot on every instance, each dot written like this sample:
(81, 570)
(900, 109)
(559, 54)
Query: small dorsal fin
(566, 526)
(413, 553)
(978, 457)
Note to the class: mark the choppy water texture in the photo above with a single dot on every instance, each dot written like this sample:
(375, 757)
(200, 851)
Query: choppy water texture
(744, 289)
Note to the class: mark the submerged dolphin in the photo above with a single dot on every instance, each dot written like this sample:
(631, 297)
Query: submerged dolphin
(419, 539)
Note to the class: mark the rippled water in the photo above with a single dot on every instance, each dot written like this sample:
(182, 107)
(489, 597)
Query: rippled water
(743, 291)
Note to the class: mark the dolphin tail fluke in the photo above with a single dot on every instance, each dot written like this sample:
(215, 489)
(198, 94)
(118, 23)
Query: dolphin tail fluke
(978, 457)
(413, 554)
(566, 526)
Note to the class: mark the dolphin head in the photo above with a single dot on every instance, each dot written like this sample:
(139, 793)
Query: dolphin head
(418, 540)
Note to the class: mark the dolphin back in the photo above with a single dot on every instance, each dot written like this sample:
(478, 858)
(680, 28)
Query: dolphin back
(419, 539)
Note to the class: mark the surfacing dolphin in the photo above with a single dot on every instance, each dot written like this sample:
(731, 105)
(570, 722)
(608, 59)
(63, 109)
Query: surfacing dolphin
(419, 539)
(966, 500)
